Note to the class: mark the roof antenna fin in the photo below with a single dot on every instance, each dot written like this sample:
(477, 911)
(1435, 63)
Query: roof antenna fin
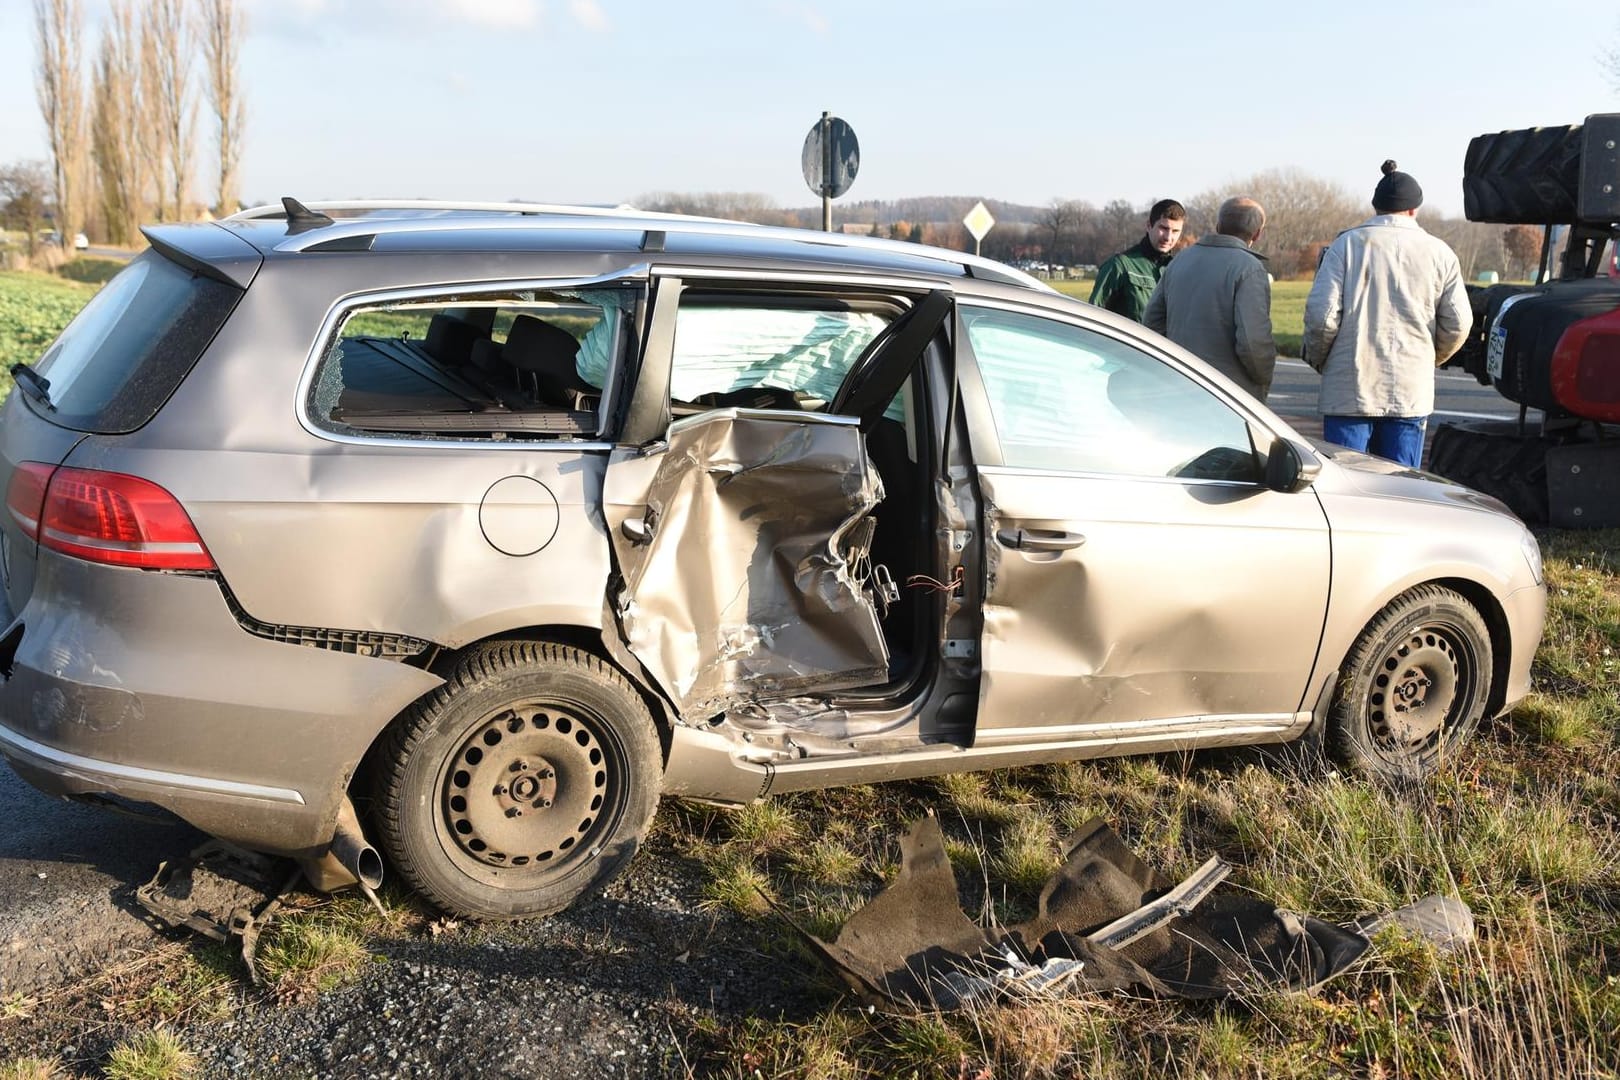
(301, 218)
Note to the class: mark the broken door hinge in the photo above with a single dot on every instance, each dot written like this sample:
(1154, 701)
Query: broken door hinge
(883, 584)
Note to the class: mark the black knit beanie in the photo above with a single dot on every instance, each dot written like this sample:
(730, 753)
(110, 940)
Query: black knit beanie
(1396, 191)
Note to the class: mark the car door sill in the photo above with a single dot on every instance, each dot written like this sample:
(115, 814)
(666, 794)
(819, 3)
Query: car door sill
(704, 764)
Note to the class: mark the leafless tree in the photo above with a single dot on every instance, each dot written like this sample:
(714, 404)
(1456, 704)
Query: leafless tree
(1611, 64)
(1120, 226)
(114, 122)
(1057, 221)
(223, 25)
(59, 83)
(735, 205)
(1302, 213)
(25, 191)
(171, 110)
(1479, 246)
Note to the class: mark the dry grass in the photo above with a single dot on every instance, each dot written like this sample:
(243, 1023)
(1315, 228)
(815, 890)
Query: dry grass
(154, 1055)
(1524, 827)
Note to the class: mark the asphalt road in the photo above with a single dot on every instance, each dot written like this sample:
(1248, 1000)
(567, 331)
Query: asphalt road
(1457, 396)
(66, 874)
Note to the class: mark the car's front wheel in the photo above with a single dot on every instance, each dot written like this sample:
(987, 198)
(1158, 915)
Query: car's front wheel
(1414, 685)
(525, 781)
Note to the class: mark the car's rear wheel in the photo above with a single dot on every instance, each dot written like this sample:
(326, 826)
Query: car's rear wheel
(524, 782)
(1414, 685)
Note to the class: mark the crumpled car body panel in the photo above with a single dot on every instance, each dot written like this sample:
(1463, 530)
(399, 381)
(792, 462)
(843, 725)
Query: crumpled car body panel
(738, 586)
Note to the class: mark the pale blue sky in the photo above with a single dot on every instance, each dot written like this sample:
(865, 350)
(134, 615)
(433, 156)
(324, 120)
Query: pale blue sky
(604, 100)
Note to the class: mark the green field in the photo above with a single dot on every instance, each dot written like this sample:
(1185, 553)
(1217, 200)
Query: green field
(33, 310)
(1287, 309)
(1524, 826)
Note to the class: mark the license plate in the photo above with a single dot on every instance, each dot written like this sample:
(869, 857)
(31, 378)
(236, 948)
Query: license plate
(1494, 350)
(1496, 347)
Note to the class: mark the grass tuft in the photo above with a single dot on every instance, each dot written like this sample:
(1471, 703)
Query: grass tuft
(765, 826)
(154, 1055)
(736, 884)
(31, 1068)
(311, 952)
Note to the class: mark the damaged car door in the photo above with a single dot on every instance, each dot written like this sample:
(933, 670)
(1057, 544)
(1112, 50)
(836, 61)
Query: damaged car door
(1144, 583)
(741, 520)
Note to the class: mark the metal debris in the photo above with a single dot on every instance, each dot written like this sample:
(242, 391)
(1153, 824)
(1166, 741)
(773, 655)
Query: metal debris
(220, 891)
(1106, 921)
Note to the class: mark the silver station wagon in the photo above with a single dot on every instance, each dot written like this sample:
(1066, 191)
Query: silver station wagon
(468, 532)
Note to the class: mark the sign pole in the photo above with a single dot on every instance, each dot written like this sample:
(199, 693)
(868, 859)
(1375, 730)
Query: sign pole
(829, 162)
(978, 222)
(826, 171)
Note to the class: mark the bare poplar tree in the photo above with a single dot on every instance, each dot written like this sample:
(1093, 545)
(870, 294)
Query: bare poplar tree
(223, 27)
(166, 82)
(59, 83)
(151, 136)
(114, 123)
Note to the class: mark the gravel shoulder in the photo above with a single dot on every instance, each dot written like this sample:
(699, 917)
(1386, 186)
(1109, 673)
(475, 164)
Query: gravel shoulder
(613, 987)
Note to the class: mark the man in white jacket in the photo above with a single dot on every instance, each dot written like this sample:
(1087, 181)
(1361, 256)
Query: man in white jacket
(1388, 307)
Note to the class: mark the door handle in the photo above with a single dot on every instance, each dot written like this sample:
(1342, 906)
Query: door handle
(1039, 539)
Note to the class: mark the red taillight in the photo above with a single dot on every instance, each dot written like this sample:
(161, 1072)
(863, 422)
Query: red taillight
(1585, 369)
(25, 495)
(108, 517)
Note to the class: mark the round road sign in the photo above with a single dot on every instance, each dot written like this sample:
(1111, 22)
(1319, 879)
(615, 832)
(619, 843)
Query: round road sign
(831, 157)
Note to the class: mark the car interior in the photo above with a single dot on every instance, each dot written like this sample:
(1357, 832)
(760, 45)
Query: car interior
(466, 372)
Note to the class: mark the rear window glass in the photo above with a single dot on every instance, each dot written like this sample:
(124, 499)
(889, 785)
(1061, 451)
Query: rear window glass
(126, 352)
(527, 365)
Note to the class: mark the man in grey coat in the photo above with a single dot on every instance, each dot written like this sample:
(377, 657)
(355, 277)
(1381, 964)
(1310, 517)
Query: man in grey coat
(1215, 299)
(1388, 306)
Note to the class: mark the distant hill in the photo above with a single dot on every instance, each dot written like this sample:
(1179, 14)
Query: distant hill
(923, 208)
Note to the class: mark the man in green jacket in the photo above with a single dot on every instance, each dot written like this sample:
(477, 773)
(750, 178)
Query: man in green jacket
(1127, 280)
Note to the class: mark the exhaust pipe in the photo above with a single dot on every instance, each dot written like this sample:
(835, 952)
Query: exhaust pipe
(350, 860)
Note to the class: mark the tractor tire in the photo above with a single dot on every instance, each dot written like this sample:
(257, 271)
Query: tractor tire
(1526, 177)
(1495, 459)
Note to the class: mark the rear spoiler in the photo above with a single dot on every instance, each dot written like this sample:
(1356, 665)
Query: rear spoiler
(207, 249)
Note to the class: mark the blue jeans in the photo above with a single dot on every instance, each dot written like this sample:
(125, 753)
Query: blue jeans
(1398, 438)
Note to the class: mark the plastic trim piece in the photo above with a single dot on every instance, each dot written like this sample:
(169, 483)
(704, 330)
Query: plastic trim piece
(396, 647)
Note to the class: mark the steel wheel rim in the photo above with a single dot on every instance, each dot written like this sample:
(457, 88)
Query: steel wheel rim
(1422, 691)
(529, 793)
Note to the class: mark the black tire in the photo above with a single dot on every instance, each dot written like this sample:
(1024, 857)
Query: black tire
(1530, 176)
(1491, 456)
(526, 781)
(1413, 687)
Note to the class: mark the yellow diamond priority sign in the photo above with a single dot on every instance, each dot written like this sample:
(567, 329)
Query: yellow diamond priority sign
(978, 221)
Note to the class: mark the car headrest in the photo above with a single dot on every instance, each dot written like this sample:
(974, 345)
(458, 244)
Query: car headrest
(535, 345)
(450, 339)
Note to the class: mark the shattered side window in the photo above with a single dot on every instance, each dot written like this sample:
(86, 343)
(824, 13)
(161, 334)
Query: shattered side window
(1068, 399)
(526, 365)
(789, 357)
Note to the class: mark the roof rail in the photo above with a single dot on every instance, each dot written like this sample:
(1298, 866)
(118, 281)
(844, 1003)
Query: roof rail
(436, 216)
(353, 208)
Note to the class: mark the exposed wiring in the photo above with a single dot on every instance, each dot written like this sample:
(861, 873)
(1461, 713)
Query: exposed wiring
(932, 584)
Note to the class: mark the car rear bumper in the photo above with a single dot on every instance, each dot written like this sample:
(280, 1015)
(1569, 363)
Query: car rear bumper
(155, 693)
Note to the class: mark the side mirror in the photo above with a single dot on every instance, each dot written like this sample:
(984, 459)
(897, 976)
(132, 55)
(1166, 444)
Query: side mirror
(1290, 467)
